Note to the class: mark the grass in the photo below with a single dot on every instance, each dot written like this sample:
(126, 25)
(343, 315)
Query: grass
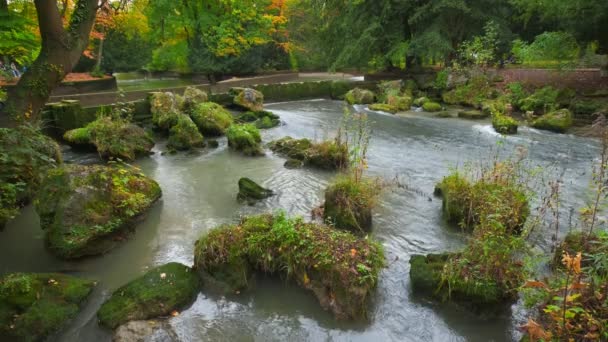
(341, 269)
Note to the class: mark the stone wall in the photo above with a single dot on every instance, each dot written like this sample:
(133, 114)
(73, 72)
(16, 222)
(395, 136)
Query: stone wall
(580, 79)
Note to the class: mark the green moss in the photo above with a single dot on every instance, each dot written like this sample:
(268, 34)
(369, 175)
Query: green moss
(115, 138)
(329, 155)
(383, 108)
(558, 121)
(35, 305)
(250, 191)
(211, 118)
(339, 268)
(349, 203)
(262, 119)
(184, 135)
(419, 102)
(83, 208)
(192, 97)
(67, 115)
(245, 138)
(400, 102)
(430, 106)
(164, 109)
(504, 124)
(25, 156)
(158, 292)
(248, 99)
(473, 114)
(473, 93)
(463, 202)
(444, 114)
(359, 96)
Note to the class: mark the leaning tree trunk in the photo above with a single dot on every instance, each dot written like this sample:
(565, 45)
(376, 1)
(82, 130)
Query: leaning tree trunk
(60, 51)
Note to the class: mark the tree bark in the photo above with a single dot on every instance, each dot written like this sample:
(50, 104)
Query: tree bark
(60, 51)
(3, 6)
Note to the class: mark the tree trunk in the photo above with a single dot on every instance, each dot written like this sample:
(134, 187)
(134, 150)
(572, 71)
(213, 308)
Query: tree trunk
(60, 51)
(99, 55)
(3, 6)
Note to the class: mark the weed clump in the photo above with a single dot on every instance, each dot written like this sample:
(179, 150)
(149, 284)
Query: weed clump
(246, 139)
(328, 155)
(339, 268)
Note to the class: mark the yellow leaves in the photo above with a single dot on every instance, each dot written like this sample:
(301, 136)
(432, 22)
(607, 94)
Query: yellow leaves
(305, 279)
(572, 264)
(353, 253)
(535, 284)
(174, 313)
(535, 331)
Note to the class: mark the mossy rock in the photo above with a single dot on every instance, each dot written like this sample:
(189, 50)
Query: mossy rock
(157, 293)
(213, 143)
(359, 96)
(248, 99)
(211, 118)
(400, 102)
(504, 124)
(114, 138)
(349, 203)
(558, 121)
(419, 102)
(164, 108)
(262, 119)
(430, 106)
(328, 155)
(36, 305)
(67, 115)
(444, 114)
(426, 275)
(245, 138)
(463, 200)
(184, 135)
(250, 191)
(472, 115)
(83, 209)
(26, 156)
(382, 107)
(339, 268)
(247, 117)
(192, 97)
(293, 164)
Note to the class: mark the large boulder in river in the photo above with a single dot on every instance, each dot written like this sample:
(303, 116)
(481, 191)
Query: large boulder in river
(157, 293)
(112, 138)
(211, 118)
(164, 108)
(360, 96)
(328, 154)
(192, 97)
(558, 121)
(86, 209)
(248, 99)
(250, 191)
(25, 156)
(36, 305)
(184, 135)
(245, 138)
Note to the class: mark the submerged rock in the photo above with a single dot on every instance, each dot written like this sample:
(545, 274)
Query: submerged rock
(329, 155)
(248, 99)
(472, 115)
(148, 331)
(36, 305)
(25, 156)
(444, 114)
(382, 107)
(293, 164)
(211, 118)
(184, 135)
(262, 119)
(430, 106)
(84, 209)
(558, 121)
(227, 256)
(245, 138)
(157, 293)
(113, 138)
(359, 96)
(250, 191)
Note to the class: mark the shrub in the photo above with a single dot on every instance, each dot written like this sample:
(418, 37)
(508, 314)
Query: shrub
(473, 93)
(245, 138)
(339, 268)
(211, 118)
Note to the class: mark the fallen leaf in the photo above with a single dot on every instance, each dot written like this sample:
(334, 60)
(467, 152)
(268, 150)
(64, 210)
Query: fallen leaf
(174, 313)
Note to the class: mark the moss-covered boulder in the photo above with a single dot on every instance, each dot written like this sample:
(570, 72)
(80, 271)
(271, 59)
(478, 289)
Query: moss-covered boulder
(339, 268)
(192, 97)
(245, 138)
(419, 102)
(329, 154)
(558, 121)
(85, 208)
(426, 276)
(36, 305)
(262, 119)
(349, 203)
(431, 106)
(157, 293)
(504, 124)
(184, 135)
(473, 114)
(464, 201)
(248, 99)
(359, 96)
(383, 107)
(113, 138)
(250, 191)
(164, 108)
(400, 102)
(25, 156)
(211, 118)
(444, 114)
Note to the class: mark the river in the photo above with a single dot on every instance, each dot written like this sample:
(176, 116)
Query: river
(199, 193)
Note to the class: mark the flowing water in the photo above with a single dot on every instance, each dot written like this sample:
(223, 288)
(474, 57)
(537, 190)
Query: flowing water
(199, 193)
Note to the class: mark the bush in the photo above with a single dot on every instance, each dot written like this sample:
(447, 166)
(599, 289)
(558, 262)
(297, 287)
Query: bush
(245, 138)
(473, 93)
(543, 100)
(211, 118)
(339, 268)
(548, 46)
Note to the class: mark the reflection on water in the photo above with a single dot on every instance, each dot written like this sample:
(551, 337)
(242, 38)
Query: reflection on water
(199, 193)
